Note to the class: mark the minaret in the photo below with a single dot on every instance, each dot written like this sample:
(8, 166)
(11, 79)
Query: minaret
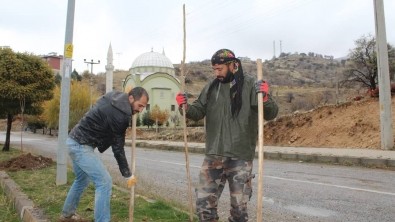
(109, 70)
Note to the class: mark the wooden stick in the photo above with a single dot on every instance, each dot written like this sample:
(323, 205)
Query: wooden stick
(133, 159)
(185, 122)
(260, 146)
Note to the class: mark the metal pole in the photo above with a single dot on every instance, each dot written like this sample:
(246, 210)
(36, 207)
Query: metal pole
(61, 169)
(387, 137)
(259, 204)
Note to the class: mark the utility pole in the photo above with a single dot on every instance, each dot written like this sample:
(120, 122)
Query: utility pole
(91, 80)
(274, 49)
(61, 168)
(281, 47)
(387, 138)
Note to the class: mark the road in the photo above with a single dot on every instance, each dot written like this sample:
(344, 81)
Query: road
(293, 191)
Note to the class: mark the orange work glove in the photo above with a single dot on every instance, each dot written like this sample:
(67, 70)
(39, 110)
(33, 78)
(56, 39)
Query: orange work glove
(131, 181)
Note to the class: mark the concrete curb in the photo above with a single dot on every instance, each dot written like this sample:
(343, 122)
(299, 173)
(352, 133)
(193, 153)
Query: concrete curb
(23, 205)
(301, 157)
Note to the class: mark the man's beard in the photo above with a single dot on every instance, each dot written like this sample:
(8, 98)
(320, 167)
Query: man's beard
(228, 78)
(133, 111)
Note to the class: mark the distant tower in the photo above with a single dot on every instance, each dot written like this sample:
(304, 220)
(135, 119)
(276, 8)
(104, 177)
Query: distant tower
(109, 70)
(274, 49)
(281, 46)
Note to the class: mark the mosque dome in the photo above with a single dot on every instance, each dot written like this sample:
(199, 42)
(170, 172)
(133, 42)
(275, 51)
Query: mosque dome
(152, 62)
(154, 59)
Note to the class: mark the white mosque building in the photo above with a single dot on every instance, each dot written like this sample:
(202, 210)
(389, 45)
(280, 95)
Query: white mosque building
(154, 72)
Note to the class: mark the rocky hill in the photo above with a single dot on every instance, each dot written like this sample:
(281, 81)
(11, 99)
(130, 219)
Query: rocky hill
(287, 70)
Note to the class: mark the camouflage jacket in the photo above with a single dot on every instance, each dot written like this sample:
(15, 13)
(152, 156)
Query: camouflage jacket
(225, 135)
(105, 125)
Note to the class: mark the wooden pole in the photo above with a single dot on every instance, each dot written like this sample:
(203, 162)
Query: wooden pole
(133, 162)
(185, 122)
(260, 146)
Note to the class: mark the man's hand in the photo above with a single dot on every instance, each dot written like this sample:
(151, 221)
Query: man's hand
(131, 181)
(181, 99)
(262, 87)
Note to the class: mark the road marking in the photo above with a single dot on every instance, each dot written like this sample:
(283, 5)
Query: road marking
(332, 185)
(294, 180)
(161, 161)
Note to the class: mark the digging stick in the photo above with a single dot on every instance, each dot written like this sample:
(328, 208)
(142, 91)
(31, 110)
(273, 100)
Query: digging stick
(259, 204)
(133, 159)
(185, 122)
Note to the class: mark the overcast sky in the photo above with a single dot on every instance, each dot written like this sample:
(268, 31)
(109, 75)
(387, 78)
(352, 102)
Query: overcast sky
(248, 27)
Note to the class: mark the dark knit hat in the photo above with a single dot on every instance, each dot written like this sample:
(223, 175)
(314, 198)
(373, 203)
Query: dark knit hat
(222, 56)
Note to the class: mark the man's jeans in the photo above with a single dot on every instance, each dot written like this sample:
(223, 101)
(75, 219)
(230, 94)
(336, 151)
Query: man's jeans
(87, 167)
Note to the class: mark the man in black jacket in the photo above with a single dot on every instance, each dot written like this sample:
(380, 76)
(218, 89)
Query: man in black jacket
(102, 126)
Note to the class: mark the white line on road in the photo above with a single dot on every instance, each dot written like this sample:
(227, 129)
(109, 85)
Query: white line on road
(181, 164)
(332, 185)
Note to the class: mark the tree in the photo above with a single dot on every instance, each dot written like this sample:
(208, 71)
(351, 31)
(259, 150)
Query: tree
(24, 79)
(362, 65)
(147, 121)
(161, 115)
(138, 121)
(79, 104)
(290, 97)
(35, 122)
(76, 76)
(58, 79)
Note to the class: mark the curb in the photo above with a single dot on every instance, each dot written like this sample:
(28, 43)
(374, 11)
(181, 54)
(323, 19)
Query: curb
(301, 157)
(23, 205)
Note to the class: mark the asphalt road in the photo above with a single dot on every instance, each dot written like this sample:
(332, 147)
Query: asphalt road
(293, 191)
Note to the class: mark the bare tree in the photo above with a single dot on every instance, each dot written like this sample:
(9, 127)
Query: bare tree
(290, 97)
(361, 67)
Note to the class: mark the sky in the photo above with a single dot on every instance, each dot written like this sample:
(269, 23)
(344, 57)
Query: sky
(251, 28)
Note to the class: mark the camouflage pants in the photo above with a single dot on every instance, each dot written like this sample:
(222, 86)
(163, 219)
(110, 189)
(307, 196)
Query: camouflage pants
(213, 175)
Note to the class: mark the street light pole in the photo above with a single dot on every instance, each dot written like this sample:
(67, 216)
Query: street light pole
(91, 82)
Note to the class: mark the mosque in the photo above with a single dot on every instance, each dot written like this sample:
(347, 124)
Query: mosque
(154, 72)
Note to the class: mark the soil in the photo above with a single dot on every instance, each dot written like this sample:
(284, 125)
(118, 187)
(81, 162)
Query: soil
(26, 162)
(354, 124)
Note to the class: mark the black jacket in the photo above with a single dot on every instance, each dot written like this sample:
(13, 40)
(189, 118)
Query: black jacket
(105, 125)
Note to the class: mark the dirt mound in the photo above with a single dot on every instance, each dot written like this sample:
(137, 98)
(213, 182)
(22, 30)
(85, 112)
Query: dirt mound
(354, 124)
(26, 162)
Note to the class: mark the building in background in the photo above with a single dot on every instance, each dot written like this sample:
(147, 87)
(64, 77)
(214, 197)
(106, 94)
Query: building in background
(54, 61)
(155, 72)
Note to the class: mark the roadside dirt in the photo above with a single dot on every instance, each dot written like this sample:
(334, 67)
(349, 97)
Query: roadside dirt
(354, 124)
(26, 162)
